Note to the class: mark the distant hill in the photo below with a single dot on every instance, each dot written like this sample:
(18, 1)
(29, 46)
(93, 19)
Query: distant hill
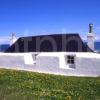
(97, 46)
(4, 47)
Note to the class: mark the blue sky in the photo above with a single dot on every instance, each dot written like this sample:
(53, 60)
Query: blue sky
(33, 17)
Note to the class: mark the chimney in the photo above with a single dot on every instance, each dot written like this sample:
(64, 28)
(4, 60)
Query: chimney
(13, 38)
(90, 28)
(90, 37)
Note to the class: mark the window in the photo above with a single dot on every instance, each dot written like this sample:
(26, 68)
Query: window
(70, 59)
(34, 58)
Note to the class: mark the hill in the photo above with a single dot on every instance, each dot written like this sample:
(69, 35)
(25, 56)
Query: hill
(21, 85)
(4, 47)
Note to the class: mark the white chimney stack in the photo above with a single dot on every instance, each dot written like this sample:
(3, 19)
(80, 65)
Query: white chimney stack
(13, 39)
(90, 37)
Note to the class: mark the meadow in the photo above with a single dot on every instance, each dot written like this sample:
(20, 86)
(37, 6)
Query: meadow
(23, 85)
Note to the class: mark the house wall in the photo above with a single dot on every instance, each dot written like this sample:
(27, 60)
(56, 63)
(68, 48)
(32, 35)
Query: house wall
(86, 64)
(47, 64)
(90, 63)
(19, 61)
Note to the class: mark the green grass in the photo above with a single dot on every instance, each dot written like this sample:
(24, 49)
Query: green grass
(20, 85)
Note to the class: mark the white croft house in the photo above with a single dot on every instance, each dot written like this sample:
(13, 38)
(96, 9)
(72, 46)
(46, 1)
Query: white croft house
(62, 54)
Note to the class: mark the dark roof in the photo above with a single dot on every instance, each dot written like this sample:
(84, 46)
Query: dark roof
(50, 43)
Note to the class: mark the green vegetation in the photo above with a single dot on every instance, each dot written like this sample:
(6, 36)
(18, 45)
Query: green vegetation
(20, 85)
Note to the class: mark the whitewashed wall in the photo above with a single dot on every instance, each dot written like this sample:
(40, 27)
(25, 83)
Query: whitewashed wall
(87, 64)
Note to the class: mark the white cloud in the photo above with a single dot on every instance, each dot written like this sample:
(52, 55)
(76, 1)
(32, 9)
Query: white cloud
(97, 38)
(4, 40)
(84, 38)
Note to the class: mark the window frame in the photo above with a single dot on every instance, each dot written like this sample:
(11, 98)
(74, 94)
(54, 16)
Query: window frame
(70, 63)
(70, 59)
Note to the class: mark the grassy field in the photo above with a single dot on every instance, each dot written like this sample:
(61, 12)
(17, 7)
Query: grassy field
(20, 85)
